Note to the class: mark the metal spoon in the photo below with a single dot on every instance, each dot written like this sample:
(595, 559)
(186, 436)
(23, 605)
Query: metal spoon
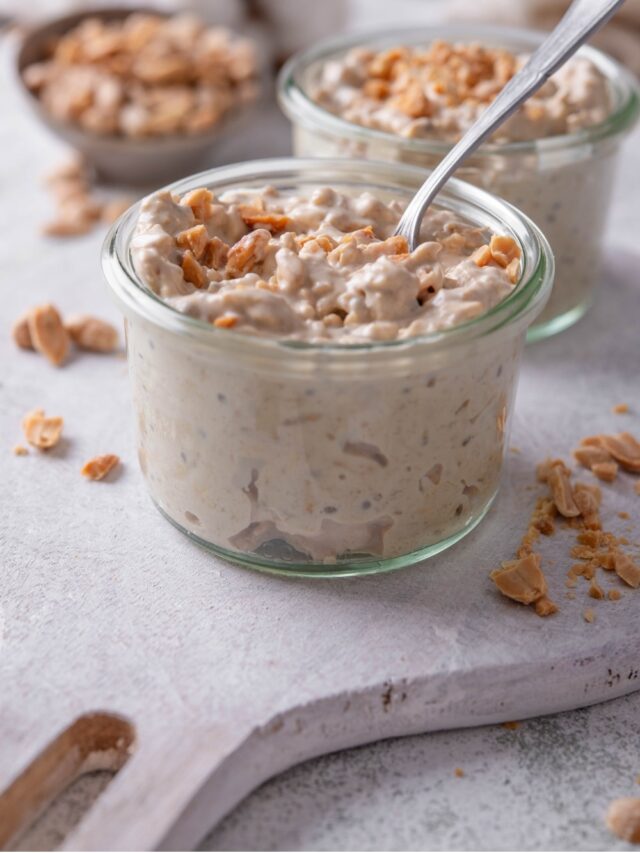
(581, 20)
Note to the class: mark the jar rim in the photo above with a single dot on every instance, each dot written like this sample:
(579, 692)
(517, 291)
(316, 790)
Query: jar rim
(299, 107)
(476, 205)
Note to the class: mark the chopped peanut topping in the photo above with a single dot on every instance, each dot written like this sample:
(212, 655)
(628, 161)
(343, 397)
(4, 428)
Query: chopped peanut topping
(626, 569)
(48, 334)
(215, 253)
(42, 431)
(98, 467)
(621, 409)
(482, 256)
(192, 270)
(504, 249)
(91, 333)
(249, 251)
(523, 581)
(513, 270)
(199, 200)
(227, 321)
(195, 239)
(623, 819)
(273, 222)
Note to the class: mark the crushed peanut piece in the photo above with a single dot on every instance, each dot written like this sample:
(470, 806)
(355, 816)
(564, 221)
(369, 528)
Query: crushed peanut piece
(624, 515)
(590, 455)
(192, 270)
(42, 431)
(606, 471)
(199, 200)
(625, 449)
(21, 334)
(512, 725)
(589, 615)
(614, 595)
(195, 239)
(91, 333)
(595, 590)
(20, 450)
(523, 581)
(623, 819)
(558, 480)
(621, 409)
(99, 466)
(504, 249)
(48, 333)
(482, 256)
(226, 321)
(249, 251)
(626, 569)
(458, 772)
(636, 488)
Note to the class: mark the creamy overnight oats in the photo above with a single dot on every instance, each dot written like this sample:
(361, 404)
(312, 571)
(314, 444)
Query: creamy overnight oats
(408, 96)
(311, 397)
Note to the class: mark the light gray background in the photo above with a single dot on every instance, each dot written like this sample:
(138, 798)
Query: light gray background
(544, 785)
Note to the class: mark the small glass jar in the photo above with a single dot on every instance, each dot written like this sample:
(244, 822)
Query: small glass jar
(326, 459)
(562, 182)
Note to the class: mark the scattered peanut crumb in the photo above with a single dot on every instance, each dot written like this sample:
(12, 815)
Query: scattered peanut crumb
(21, 334)
(636, 488)
(614, 595)
(91, 333)
(20, 450)
(595, 590)
(623, 515)
(623, 819)
(512, 725)
(47, 333)
(458, 772)
(77, 207)
(42, 431)
(99, 466)
(621, 409)
(523, 581)
(589, 615)
(42, 328)
(626, 569)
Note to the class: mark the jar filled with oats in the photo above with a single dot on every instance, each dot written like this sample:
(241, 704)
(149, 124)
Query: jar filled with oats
(311, 397)
(408, 96)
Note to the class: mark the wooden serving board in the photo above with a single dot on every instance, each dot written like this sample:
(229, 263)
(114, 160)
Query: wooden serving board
(210, 678)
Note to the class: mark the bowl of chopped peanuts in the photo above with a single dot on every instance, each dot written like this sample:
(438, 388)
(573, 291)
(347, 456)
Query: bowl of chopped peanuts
(143, 96)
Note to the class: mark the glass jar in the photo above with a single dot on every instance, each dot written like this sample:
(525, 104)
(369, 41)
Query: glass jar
(563, 182)
(326, 459)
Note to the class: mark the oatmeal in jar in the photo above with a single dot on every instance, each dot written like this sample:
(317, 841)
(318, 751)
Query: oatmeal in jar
(409, 96)
(325, 266)
(312, 397)
(439, 91)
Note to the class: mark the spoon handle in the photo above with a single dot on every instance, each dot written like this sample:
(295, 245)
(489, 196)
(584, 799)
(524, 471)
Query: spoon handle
(580, 21)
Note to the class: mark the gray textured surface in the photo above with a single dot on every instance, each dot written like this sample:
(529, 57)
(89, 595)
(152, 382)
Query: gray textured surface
(543, 786)
(114, 594)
